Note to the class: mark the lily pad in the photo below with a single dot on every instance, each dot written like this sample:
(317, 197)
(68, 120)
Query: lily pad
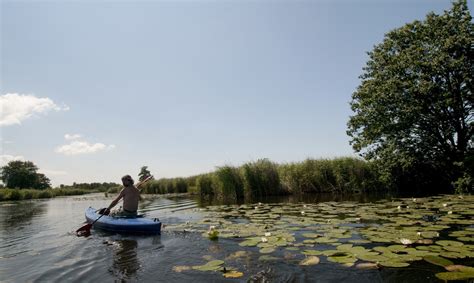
(449, 243)
(394, 263)
(233, 274)
(454, 275)
(181, 268)
(267, 250)
(311, 260)
(438, 260)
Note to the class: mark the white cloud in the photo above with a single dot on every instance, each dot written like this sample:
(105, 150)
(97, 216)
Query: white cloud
(5, 158)
(83, 147)
(16, 108)
(72, 137)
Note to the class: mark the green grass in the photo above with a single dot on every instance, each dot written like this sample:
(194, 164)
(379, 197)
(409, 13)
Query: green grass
(265, 178)
(24, 194)
(227, 183)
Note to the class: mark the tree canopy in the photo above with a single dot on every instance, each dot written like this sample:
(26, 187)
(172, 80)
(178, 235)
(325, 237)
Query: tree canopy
(23, 174)
(413, 111)
(144, 173)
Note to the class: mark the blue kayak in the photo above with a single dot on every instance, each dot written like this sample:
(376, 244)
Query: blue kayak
(138, 225)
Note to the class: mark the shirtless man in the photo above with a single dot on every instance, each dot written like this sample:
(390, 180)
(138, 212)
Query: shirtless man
(130, 195)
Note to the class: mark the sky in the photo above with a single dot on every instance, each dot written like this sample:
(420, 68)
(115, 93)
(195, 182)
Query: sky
(93, 90)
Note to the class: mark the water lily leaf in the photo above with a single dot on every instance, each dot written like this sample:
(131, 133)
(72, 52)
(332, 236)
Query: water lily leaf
(454, 275)
(181, 268)
(233, 274)
(312, 252)
(311, 260)
(342, 259)
(452, 255)
(394, 263)
(367, 265)
(438, 260)
(449, 243)
(267, 250)
(292, 249)
(344, 247)
(461, 268)
(206, 267)
(215, 262)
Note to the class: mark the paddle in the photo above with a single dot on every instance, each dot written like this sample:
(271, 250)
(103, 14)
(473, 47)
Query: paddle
(85, 230)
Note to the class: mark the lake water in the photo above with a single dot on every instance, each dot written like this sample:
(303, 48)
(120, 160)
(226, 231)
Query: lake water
(38, 244)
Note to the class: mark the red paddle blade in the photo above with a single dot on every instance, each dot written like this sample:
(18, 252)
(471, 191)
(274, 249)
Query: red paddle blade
(84, 230)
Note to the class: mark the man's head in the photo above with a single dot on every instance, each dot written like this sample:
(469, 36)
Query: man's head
(127, 180)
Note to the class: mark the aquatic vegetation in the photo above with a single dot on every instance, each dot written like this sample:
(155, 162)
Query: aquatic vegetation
(24, 194)
(358, 235)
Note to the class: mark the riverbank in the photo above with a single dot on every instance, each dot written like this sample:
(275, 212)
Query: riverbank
(266, 178)
(24, 194)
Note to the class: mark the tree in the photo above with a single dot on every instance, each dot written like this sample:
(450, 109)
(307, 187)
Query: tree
(414, 110)
(23, 174)
(144, 173)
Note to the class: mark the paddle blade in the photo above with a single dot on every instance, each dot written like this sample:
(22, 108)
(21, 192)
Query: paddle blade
(84, 230)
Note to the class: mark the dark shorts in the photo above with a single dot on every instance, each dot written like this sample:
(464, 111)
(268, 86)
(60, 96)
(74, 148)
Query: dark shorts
(125, 213)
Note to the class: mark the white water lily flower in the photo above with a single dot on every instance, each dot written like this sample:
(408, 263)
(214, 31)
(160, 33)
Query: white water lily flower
(212, 227)
(414, 199)
(264, 240)
(450, 212)
(305, 206)
(268, 234)
(419, 233)
(399, 207)
(406, 241)
(408, 206)
(302, 212)
(259, 203)
(445, 204)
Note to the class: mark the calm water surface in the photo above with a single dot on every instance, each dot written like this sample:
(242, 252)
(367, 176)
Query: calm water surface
(38, 244)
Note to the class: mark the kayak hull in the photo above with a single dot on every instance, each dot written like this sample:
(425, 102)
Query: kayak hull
(139, 225)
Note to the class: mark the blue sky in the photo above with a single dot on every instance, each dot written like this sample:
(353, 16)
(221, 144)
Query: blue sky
(183, 86)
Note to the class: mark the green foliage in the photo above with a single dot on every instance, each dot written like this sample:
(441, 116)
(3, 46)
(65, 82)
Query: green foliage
(414, 109)
(336, 175)
(204, 185)
(144, 173)
(23, 174)
(260, 178)
(25, 194)
(93, 187)
(227, 183)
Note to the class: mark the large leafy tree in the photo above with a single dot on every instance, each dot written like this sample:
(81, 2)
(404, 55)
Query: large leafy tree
(413, 111)
(23, 174)
(144, 173)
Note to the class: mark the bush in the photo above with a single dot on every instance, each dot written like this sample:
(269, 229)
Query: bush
(260, 178)
(204, 185)
(228, 184)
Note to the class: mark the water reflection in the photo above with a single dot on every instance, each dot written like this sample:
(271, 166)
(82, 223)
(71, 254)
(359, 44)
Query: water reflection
(297, 198)
(125, 259)
(18, 214)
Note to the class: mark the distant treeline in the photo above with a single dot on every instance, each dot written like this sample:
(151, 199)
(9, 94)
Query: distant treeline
(96, 187)
(266, 178)
(23, 194)
(63, 190)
